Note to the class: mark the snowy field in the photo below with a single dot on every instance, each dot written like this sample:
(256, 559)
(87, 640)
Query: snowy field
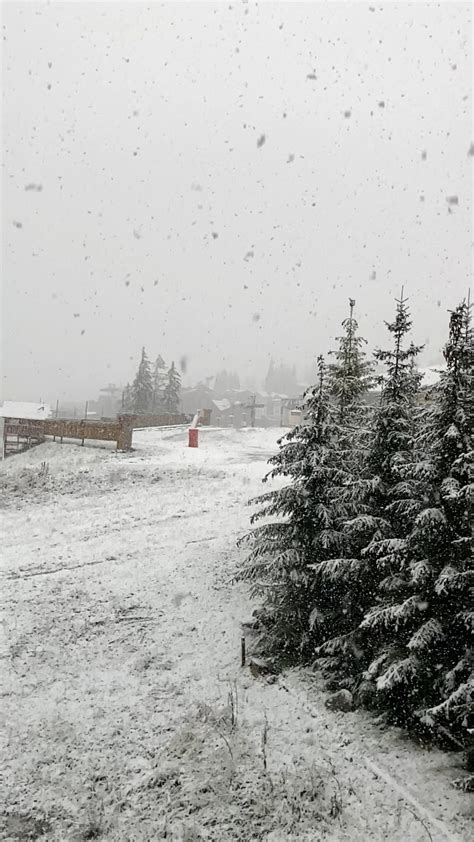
(125, 712)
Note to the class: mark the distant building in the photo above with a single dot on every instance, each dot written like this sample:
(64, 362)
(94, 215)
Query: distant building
(199, 397)
(24, 409)
(278, 409)
(15, 434)
(233, 407)
(227, 413)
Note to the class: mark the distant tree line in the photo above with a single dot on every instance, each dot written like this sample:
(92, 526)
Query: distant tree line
(226, 381)
(281, 379)
(155, 390)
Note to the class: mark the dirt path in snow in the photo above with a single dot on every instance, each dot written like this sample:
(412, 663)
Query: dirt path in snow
(127, 715)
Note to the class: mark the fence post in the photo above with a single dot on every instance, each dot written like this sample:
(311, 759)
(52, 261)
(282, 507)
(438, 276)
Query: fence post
(57, 410)
(124, 438)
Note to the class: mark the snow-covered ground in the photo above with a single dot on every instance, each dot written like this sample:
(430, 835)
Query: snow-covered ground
(120, 665)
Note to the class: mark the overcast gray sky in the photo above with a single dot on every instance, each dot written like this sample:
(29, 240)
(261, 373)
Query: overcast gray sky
(162, 221)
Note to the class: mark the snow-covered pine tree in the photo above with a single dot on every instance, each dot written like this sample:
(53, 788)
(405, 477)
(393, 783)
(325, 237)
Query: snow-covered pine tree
(351, 375)
(384, 504)
(171, 395)
(424, 663)
(142, 388)
(349, 379)
(302, 530)
(160, 379)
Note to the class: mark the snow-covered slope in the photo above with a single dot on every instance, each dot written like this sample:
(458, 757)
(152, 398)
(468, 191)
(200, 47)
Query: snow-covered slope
(121, 671)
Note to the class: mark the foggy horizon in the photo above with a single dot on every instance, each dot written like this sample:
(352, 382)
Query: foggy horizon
(213, 181)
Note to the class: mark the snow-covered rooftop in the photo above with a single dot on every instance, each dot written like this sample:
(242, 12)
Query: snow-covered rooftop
(23, 409)
(222, 405)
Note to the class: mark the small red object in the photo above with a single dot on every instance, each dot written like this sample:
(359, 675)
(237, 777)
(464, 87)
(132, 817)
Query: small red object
(193, 437)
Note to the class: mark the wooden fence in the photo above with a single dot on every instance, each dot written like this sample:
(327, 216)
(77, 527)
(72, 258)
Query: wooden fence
(20, 433)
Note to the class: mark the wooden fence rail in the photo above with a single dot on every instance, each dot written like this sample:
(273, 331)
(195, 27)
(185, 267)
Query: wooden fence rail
(20, 433)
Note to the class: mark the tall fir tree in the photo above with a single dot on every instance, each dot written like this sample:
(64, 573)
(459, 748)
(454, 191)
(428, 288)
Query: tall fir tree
(142, 388)
(424, 621)
(384, 505)
(350, 378)
(305, 530)
(321, 457)
(351, 375)
(171, 396)
(160, 379)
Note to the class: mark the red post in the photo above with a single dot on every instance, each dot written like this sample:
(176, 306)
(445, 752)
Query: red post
(193, 437)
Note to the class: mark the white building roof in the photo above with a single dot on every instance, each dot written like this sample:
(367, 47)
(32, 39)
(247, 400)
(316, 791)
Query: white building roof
(19, 409)
(222, 405)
